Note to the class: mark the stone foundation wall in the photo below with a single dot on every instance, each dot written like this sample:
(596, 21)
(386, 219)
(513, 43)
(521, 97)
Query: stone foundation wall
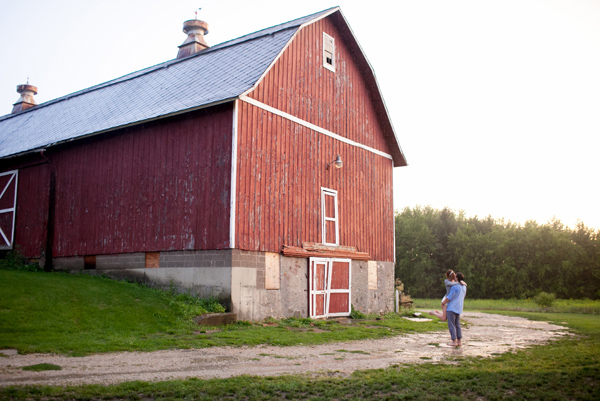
(124, 261)
(377, 297)
(72, 263)
(254, 285)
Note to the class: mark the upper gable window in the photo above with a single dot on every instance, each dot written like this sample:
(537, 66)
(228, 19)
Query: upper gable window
(328, 52)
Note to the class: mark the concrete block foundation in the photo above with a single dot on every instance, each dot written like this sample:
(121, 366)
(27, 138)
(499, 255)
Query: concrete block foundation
(240, 279)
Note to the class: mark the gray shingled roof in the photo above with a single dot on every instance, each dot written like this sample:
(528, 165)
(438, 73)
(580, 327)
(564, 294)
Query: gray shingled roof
(222, 72)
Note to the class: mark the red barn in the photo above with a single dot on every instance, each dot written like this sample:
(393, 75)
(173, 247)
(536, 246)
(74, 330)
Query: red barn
(258, 171)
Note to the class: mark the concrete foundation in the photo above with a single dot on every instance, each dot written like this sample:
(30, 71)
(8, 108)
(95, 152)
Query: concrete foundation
(253, 285)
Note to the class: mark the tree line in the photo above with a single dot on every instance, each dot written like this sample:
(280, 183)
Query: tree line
(499, 259)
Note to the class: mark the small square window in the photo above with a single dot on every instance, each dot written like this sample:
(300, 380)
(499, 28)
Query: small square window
(328, 52)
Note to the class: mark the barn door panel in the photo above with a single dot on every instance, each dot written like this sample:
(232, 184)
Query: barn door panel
(329, 287)
(339, 288)
(8, 207)
(318, 285)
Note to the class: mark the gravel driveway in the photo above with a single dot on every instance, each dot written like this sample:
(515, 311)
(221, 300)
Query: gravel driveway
(486, 335)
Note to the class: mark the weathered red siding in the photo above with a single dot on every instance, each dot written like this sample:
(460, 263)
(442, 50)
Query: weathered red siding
(282, 165)
(32, 210)
(281, 169)
(338, 101)
(158, 186)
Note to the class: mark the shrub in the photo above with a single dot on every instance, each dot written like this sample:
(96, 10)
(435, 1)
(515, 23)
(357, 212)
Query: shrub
(13, 260)
(356, 314)
(544, 299)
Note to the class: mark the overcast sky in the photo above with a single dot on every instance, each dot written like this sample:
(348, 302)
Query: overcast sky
(496, 104)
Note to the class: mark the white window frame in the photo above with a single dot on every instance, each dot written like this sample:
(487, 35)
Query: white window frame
(324, 218)
(327, 54)
(5, 242)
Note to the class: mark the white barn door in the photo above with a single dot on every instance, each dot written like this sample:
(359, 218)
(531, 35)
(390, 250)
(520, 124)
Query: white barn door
(8, 208)
(330, 283)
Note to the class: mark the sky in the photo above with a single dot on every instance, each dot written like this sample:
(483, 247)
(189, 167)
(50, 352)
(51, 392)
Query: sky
(496, 104)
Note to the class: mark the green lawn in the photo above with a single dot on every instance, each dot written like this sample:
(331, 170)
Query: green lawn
(519, 305)
(82, 314)
(566, 369)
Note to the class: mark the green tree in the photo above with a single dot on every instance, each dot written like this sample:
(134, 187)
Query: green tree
(499, 259)
(415, 247)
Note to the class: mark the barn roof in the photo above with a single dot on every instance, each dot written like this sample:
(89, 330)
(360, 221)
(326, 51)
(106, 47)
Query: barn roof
(218, 74)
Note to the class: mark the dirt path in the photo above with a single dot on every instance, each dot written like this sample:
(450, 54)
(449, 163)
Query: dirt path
(486, 335)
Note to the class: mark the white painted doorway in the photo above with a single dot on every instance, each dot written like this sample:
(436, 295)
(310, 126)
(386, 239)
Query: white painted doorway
(330, 282)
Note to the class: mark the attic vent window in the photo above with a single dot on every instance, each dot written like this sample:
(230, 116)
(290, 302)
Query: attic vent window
(328, 52)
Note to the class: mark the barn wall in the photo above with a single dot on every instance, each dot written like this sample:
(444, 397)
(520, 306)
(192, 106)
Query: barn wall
(281, 169)
(204, 273)
(157, 186)
(378, 299)
(32, 210)
(282, 165)
(33, 188)
(339, 101)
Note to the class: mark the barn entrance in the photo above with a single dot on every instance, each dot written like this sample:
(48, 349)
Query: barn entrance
(329, 281)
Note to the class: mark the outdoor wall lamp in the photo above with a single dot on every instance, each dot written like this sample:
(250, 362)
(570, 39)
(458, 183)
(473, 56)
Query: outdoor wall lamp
(338, 162)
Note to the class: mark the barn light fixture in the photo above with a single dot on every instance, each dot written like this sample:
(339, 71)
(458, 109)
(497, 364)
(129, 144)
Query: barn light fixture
(338, 162)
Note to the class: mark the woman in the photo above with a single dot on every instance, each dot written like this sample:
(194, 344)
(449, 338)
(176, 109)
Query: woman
(450, 281)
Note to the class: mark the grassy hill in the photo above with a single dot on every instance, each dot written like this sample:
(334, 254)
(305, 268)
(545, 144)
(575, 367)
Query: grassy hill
(78, 314)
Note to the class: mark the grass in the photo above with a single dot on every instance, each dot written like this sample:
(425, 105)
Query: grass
(567, 369)
(40, 367)
(81, 314)
(519, 305)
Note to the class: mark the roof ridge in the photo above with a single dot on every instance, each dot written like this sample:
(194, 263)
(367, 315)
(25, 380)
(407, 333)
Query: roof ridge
(165, 64)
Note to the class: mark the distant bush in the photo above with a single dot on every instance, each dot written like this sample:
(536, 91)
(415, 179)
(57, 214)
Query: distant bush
(544, 299)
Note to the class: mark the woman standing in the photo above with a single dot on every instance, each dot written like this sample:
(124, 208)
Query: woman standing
(449, 282)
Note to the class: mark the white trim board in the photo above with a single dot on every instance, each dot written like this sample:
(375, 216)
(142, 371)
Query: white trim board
(312, 126)
(232, 202)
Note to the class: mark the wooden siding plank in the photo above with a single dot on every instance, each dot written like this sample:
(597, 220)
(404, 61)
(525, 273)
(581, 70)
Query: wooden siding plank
(339, 102)
(362, 201)
(137, 190)
(32, 210)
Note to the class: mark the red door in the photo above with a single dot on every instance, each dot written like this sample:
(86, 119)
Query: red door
(8, 207)
(329, 287)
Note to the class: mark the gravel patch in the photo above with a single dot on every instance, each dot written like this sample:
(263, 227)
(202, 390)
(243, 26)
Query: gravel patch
(485, 335)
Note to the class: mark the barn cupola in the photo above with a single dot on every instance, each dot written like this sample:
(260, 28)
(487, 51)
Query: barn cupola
(26, 101)
(195, 29)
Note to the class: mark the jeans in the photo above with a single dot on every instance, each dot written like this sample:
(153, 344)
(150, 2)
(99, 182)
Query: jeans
(454, 325)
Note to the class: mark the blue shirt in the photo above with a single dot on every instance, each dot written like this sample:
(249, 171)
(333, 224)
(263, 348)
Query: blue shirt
(456, 298)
